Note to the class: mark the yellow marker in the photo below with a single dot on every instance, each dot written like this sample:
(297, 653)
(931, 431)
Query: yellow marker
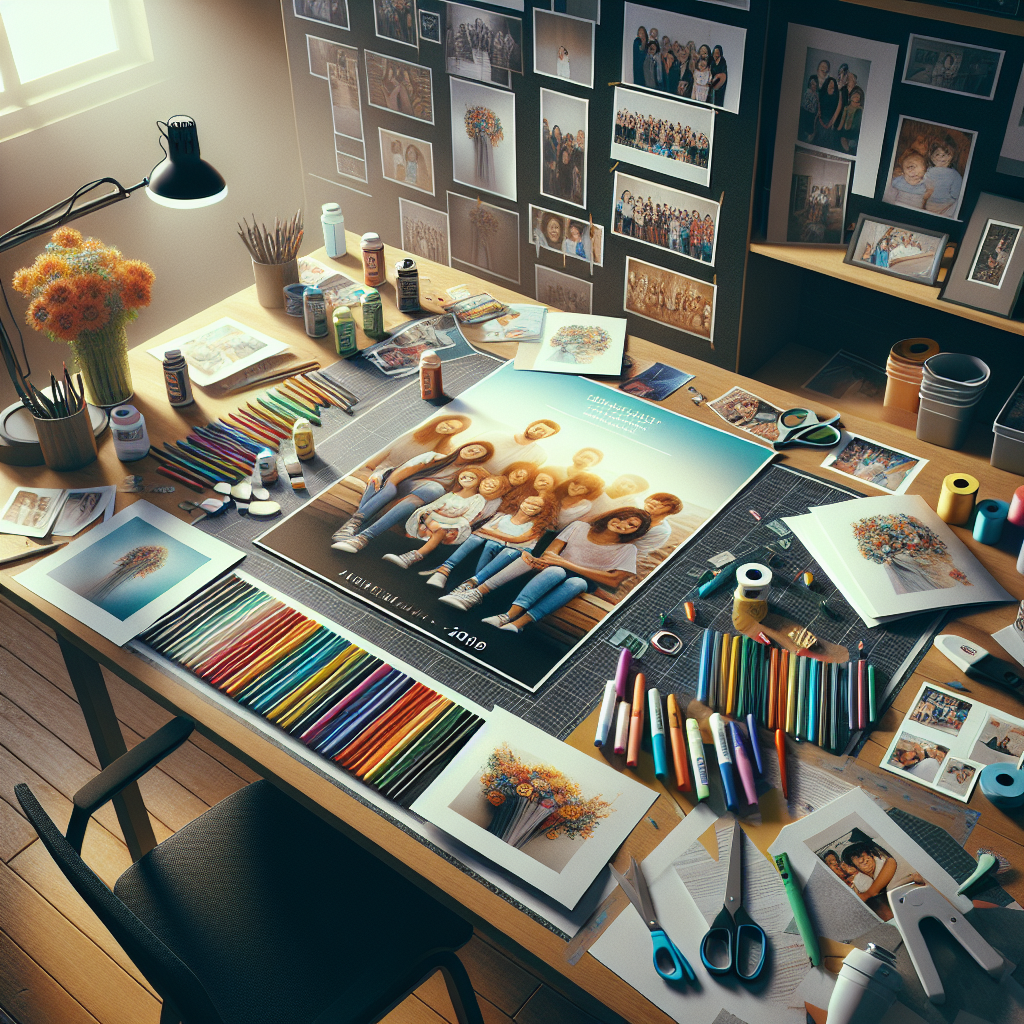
(791, 696)
(734, 664)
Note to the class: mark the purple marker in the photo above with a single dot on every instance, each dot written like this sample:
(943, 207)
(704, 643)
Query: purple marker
(622, 672)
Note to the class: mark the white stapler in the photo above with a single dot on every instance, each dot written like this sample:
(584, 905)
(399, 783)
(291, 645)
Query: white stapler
(911, 904)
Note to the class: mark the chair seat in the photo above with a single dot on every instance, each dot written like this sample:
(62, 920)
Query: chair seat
(258, 874)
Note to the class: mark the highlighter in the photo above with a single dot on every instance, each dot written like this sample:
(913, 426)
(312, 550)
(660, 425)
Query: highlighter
(622, 728)
(622, 672)
(657, 733)
(607, 716)
(636, 721)
(724, 760)
(739, 753)
(700, 767)
(796, 904)
(755, 744)
(675, 734)
(703, 676)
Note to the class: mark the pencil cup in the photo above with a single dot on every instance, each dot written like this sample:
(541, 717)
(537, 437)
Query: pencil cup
(68, 442)
(271, 279)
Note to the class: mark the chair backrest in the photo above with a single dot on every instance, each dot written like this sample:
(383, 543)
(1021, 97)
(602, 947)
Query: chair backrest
(164, 970)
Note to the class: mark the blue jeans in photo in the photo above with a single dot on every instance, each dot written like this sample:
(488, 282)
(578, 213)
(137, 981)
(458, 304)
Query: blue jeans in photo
(419, 494)
(549, 590)
(485, 569)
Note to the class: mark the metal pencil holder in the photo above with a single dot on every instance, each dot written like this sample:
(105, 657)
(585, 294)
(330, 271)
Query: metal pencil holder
(67, 442)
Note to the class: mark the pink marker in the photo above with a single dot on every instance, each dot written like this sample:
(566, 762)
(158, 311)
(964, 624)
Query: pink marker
(739, 754)
(622, 672)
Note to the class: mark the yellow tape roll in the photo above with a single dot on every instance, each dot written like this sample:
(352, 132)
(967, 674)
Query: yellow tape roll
(957, 497)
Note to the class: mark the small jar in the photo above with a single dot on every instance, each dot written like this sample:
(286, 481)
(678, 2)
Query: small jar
(332, 220)
(128, 431)
(430, 375)
(407, 286)
(314, 311)
(344, 326)
(176, 379)
(302, 438)
(266, 460)
(373, 315)
(373, 259)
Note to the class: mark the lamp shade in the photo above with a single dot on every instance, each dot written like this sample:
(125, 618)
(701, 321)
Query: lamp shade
(182, 179)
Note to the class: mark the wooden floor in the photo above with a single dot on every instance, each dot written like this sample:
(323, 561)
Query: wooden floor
(58, 964)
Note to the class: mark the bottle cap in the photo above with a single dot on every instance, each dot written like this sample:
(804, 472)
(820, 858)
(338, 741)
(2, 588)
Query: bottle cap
(371, 240)
(405, 266)
(331, 208)
(126, 415)
(172, 355)
(342, 313)
(301, 424)
(428, 357)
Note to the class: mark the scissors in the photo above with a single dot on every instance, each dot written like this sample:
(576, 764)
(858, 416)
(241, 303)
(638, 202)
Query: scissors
(668, 961)
(802, 427)
(734, 931)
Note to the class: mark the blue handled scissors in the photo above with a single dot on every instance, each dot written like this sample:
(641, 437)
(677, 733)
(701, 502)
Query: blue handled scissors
(734, 938)
(802, 427)
(668, 961)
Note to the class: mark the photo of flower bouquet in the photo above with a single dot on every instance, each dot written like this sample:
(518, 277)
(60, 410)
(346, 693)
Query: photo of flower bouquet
(482, 122)
(579, 344)
(483, 150)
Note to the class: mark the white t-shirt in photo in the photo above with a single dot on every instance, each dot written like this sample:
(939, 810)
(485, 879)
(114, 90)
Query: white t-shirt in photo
(584, 552)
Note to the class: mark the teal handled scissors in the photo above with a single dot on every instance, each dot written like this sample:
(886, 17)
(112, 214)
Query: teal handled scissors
(802, 427)
(668, 961)
(734, 938)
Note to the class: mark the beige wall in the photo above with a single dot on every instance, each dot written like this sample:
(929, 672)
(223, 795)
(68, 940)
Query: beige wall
(224, 63)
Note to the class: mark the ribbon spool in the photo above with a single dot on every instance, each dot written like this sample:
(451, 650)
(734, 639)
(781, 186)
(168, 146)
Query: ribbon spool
(956, 498)
(749, 600)
(1016, 513)
(988, 523)
(1002, 785)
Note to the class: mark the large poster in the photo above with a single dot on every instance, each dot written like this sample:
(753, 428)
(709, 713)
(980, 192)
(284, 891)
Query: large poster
(510, 523)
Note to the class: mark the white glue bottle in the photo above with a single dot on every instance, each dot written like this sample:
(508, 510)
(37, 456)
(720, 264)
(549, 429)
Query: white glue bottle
(333, 221)
(128, 429)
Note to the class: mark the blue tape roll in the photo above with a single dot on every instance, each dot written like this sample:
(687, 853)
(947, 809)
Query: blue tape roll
(988, 521)
(293, 299)
(1003, 785)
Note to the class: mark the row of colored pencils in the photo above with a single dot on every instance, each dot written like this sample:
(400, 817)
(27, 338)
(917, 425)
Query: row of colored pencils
(372, 719)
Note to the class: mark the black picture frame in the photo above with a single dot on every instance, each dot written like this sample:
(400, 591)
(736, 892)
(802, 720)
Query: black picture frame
(856, 246)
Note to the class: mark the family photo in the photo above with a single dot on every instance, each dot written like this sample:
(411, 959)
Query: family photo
(818, 193)
(952, 67)
(406, 160)
(343, 79)
(832, 103)
(998, 241)
(398, 86)
(563, 147)
(563, 47)
(666, 297)
(483, 137)
(563, 291)
(567, 235)
(873, 463)
(482, 45)
(395, 20)
(941, 711)
(897, 249)
(484, 236)
(424, 231)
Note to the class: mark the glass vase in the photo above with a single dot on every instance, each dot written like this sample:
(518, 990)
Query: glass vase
(484, 154)
(102, 358)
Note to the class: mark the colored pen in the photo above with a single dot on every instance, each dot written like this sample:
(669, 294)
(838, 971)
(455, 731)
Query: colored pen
(607, 716)
(862, 687)
(773, 686)
(724, 760)
(636, 721)
(796, 904)
(734, 664)
(715, 671)
(742, 761)
(851, 698)
(622, 672)
(780, 749)
(657, 733)
(810, 730)
(700, 766)
(755, 744)
(195, 485)
(744, 671)
(675, 735)
(705, 657)
(622, 728)
(872, 696)
(801, 699)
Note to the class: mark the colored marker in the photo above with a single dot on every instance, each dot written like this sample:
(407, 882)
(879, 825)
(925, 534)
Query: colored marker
(773, 686)
(703, 677)
(755, 743)
(700, 766)
(744, 673)
(689, 611)
(715, 671)
(742, 761)
(657, 733)
(622, 672)
(636, 721)
(791, 693)
(801, 700)
(607, 716)
(675, 735)
(724, 760)
(622, 728)
(734, 665)
(780, 749)
(811, 728)
(862, 687)
(872, 696)
(851, 698)
(796, 904)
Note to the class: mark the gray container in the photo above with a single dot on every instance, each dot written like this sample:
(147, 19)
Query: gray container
(1008, 442)
(945, 426)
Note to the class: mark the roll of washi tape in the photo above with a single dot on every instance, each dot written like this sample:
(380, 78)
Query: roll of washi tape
(1016, 513)
(1002, 785)
(988, 522)
(915, 350)
(957, 497)
(293, 299)
(753, 581)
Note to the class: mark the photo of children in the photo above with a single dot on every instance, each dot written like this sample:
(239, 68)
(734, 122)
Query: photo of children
(897, 249)
(482, 45)
(567, 235)
(563, 147)
(562, 291)
(407, 160)
(395, 20)
(749, 413)
(917, 756)
(940, 711)
(398, 86)
(424, 231)
(675, 300)
(1001, 741)
(957, 777)
(998, 241)
(833, 99)
(818, 191)
(930, 164)
(952, 67)
(563, 47)
(873, 463)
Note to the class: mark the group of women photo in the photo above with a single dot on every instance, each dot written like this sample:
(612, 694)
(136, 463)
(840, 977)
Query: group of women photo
(678, 230)
(681, 69)
(660, 136)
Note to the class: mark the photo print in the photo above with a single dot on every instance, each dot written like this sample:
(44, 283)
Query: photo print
(749, 413)
(667, 297)
(563, 47)
(870, 462)
(343, 79)
(328, 12)
(484, 236)
(564, 130)
(424, 232)
(407, 160)
(398, 86)
(666, 218)
(660, 482)
(82, 507)
(833, 101)
(952, 67)
(563, 291)
(957, 778)
(1011, 152)
(929, 167)
(30, 511)
(572, 341)
(998, 241)
(941, 711)
(395, 20)
(350, 157)
(684, 57)
(589, 9)
(482, 45)
(430, 27)
(849, 377)
(1001, 740)
(483, 137)
(898, 249)
(663, 136)
(818, 192)
(653, 381)
(918, 756)
(567, 235)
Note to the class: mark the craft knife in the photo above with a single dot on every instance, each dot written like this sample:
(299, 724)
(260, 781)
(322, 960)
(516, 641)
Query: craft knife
(976, 663)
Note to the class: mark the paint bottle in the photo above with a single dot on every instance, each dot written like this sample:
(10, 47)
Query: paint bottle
(373, 315)
(407, 286)
(314, 311)
(302, 437)
(373, 259)
(344, 329)
(128, 429)
(333, 222)
(430, 375)
(266, 460)
(176, 379)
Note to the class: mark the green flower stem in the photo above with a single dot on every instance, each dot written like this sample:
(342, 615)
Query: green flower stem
(102, 357)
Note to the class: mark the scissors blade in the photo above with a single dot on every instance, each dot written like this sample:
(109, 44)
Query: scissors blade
(734, 882)
(646, 904)
(626, 885)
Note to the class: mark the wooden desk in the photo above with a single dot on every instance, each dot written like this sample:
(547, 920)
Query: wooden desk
(590, 983)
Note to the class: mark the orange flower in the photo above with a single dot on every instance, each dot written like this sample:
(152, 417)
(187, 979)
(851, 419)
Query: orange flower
(524, 789)
(94, 314)
(496, 798)
(135, 294)
(24, 280)
(50, 265)
(107, 258)
(93, 286)
(67, 238)
(58, 294)
(38, 315)
(93, 245)
(65, 323)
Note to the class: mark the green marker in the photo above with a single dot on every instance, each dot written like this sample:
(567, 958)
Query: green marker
(741, 697)
(796, 903)
(872, 695)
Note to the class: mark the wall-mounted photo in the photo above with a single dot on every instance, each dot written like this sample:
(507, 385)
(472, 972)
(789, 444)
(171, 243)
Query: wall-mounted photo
(929, 167)
(664, 217)
(563, 291)
(484, 236)
(398, 86)
(424, 231)
(589, 9)
(666, 297)
(563, 47)
(564, 130)
(663, 136)
(998, 241)
(483, 137)
(350, 157)
(395, 20)
(322, 52)
(834, 100)
(329, 12)
(406, 160)
(430, 27)
(688, 58)
(482, 45)
(952, 67)
(817, 198)
(568, 235)
(343, 79)
(901, 250)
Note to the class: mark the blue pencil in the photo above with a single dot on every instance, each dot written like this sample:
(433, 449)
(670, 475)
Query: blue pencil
(705, 656)
(811, 725)
(800, 728)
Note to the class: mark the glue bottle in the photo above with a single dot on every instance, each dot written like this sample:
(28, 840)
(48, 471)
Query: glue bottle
(373, 259)
(430, 375)
(407, 286)
(344, 325)
(373, 315)
(333, 222)
(176, 379)
(128, 429)
(302, 438)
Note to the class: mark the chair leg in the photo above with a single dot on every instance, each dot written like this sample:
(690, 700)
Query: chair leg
(460, 989)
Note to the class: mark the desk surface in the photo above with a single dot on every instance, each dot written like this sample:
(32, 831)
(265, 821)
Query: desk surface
(994, 830)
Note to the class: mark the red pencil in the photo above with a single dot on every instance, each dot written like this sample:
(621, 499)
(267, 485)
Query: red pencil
(187, 481)
(780, 749)
(862, 687)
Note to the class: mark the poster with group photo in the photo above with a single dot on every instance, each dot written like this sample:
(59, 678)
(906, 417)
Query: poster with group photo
(508, 526)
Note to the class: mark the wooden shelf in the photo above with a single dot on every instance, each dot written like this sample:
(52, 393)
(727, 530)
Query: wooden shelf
(830, 262)
(953, 15)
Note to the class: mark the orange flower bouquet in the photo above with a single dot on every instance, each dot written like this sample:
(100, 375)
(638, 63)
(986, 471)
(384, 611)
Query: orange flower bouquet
(84, 293)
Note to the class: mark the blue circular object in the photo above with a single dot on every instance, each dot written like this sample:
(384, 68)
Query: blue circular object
(1003, 785)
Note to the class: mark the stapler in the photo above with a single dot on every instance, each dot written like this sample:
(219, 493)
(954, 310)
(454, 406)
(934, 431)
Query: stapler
(911, 904)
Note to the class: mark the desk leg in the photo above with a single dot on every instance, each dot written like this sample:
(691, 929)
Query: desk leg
(91, 690)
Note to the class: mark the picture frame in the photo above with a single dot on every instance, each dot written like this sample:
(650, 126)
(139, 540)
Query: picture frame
(336, 12)
(914, 268)
(949, 66)
(398, 85)
(430, 26)
(396, 22)
(994, 218)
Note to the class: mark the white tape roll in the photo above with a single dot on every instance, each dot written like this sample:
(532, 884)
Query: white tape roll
(753, 581)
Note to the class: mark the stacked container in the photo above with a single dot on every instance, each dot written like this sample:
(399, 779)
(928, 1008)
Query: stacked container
(904, 369)
(1008, 443)
(952, 384)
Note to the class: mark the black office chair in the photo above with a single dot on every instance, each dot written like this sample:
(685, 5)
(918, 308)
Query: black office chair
(259, 911)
